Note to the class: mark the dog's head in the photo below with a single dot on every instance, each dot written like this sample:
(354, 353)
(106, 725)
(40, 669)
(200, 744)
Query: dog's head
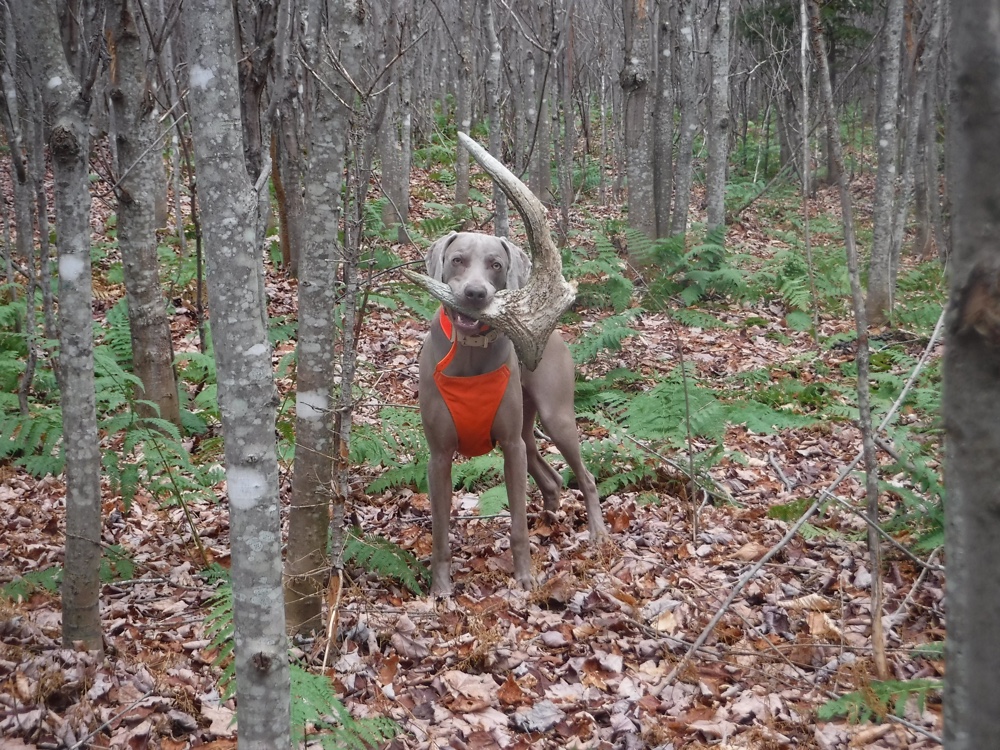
(476, 266)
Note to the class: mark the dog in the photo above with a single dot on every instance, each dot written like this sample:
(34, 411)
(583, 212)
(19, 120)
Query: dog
(474, 395)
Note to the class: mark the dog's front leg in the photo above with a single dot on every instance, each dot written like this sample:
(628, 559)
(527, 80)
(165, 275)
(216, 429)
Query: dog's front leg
(515, 474)
(439, 487)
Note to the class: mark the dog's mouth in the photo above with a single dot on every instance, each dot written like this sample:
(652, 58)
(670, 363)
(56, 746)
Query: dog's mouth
(466, 324)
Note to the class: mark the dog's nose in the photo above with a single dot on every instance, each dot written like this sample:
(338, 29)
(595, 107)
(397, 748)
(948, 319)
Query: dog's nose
(475, 293)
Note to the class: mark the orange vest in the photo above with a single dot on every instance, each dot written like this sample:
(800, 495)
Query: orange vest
(473, 400)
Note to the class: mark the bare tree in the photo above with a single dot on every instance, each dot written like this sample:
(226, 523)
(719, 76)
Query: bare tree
(247, 394)
(636, 80)
(684, 36)
(887, 181)
(139, 176)
(501, 221)
(971, 389)
(718, 114)
(463, 98)
(328, 52)
(67, 98)
(861, 356)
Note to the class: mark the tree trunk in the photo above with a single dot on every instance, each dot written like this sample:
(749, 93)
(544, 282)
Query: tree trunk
(635, 80)
(247, 395)
(718, 127)
(684, 171)
(971, 399)
(463, 99)
(307, 563)
(887, 180)
(67, 107)
(862, 350)
(501, 220)
(663, 126)
(133, 122)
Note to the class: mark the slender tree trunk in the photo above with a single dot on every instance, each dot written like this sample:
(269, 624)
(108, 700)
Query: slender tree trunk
(887, 180)
(861, 355)
(501, 220)
(568, 129)
(663, 125)
(67, 104)
(133, 119)
(307, 563)
(635, 80)
(247, 394)
(684, 171)
(718, 128)
(463, 99)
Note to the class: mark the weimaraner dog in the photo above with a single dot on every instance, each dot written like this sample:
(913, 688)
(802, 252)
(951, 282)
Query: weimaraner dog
(474, 395)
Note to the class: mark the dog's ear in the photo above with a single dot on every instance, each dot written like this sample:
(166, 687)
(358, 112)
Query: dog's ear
(519, 268)
(434, 259)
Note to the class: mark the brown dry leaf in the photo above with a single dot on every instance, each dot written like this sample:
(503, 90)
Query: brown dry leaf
(751, 552)
(812, 602)
(511, 694)
(821, 626)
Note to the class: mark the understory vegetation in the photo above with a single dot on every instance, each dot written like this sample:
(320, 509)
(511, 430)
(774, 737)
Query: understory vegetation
(662, 427)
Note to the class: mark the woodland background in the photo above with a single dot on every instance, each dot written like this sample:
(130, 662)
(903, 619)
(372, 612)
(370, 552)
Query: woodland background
(205, 211)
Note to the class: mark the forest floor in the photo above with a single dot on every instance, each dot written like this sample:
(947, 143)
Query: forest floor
(600, 655)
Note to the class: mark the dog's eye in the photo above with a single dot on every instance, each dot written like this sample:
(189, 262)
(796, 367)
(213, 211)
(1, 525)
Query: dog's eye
(497, 265)
(456, 261)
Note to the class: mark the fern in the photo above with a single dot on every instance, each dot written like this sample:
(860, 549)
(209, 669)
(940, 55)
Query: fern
(606, 335)
(475, 472)
(21, 589)
(602, 282)
(396, 444)
(691, 318)
(221, 632)
(379, 555)
(318, 715)
(878, 700)
(117, 335)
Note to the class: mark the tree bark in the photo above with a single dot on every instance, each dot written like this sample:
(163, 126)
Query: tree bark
(67, 105)
(501, 219)
(635, 81)
(971, 399)
(307, 563)
(718, 125)
(684, 170)
(887, 180)
(463, 99)
(133, 121)
(663, 125)
(247, 394)
(862, 349)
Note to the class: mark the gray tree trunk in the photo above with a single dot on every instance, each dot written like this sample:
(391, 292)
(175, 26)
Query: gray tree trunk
(394, 136)
(688, 104)
(463, 98)
(887, 180)
(862, 350)
(636, 78)
(247, 394)
(718, 123)
(971, 399)
(133, 123)
(663, 125)
(501, 219)
(307, 564)
(67, 108)
(541, 142)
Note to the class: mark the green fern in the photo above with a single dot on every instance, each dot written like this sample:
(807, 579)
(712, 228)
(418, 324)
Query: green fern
(396, 444)
(220, 630)
(387, 559)
(117, 334)
(21, 589)
(606, 335)
(692, 318)
(879, 700)
(473, 473)
(318, 715)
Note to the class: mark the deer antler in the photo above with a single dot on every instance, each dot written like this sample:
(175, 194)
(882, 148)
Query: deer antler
(527, 315)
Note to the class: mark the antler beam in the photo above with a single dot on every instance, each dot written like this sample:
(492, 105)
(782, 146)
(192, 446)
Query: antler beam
(528, 315)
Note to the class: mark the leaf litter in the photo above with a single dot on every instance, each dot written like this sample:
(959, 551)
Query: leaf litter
(589, 659)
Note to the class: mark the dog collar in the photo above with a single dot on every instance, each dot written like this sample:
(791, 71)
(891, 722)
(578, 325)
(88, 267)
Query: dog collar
(484, 339)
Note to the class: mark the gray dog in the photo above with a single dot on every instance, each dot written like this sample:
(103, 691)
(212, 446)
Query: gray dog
(474, 395)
